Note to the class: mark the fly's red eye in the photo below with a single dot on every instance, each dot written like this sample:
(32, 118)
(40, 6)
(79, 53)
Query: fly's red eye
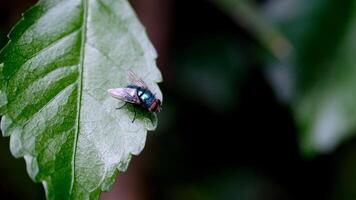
(155, 106)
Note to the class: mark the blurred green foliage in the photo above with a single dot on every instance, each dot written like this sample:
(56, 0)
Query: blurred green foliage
(314, 72)
(211, 69)
(322, 66)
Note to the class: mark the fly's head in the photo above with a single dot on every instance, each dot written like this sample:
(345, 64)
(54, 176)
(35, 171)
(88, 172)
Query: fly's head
(156, 106)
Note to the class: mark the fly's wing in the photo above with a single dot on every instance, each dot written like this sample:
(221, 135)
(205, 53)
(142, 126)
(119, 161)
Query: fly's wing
(125, 94)
(136, 80)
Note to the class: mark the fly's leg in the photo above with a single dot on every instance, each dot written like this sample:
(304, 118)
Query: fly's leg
(133, 120)
(122, 106)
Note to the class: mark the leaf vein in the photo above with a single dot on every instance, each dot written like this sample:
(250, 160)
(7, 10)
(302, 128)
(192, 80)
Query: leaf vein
(53, 43)
(44, 49)
(104, 54)
(41, 76)
(135, 39)
(80, 88)
(49, 102)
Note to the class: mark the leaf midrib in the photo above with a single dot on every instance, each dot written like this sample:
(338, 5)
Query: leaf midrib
(80, 87)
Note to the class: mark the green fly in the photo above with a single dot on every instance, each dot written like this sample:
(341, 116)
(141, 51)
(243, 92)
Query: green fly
(137, 93)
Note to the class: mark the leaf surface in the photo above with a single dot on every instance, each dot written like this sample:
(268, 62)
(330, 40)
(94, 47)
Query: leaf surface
(61, 59)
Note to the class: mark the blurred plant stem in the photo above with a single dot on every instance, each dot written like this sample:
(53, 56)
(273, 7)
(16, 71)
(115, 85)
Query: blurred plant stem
(246, 15)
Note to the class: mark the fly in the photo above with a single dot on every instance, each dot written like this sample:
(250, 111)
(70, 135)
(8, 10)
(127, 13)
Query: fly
(137, 93)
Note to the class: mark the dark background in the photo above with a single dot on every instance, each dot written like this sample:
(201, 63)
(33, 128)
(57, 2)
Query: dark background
(223, 133)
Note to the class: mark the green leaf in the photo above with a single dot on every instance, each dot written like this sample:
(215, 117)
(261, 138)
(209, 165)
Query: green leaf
(61, 59)
(321, 72)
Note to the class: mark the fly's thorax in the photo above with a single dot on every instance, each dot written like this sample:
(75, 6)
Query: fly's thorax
(146, 97)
